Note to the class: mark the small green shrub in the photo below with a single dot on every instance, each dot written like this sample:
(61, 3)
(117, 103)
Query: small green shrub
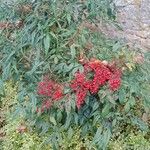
(28, 140)
(74, 140)
(135, 141)
(9, 98)
(13, 139)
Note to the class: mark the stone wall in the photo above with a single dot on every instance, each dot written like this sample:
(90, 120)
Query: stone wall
(134, 19)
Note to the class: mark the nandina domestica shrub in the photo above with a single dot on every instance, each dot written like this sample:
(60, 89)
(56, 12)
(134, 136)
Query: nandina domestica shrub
(57, 38)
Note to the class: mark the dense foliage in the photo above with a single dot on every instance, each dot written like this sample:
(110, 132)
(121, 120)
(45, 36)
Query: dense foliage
(76, 89)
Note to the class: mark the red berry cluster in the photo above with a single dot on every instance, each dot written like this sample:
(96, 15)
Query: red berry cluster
(51, 91)
(95, 75)
(102, 74)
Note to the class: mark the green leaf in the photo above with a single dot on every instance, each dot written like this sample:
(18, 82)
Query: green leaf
(132, 101)
(105, 110)
(116, 46)
(122, 96)
(59, 116)
(33, 38)
(47, 43)
(54, 36)
(70, 133)
(81, 68)
(97, 136)
(73, 51)
(127, 107)
(68, 121)
(6, 72)
(21, 95)
(52, 120)
(106, 137)
(9, 57)
(33, 101)
(76, 118)
(45, 127)
(75, 70)
(95, 106)
(69, 18)
(1, 87)
(85, 129)
(141, 124)
(56, 60)
(36, 65)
